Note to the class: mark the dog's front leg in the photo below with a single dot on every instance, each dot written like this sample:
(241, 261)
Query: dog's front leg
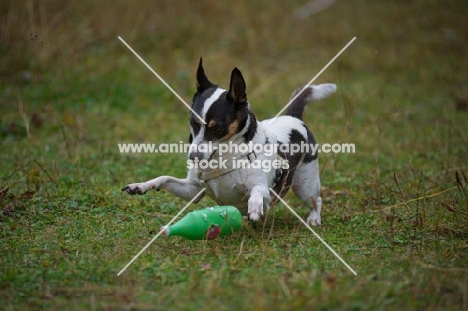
(183, 188)
(259, 197)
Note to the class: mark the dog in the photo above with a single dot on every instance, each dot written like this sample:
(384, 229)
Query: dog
(229, 120)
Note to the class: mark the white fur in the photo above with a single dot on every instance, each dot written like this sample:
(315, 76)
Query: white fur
(282, 126)
(322, 91)
(210, 100)
(306, 185)
(248, 188)
(198, 139)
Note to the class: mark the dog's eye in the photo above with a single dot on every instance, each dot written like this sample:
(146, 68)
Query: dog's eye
(194, 124)
(217, 129)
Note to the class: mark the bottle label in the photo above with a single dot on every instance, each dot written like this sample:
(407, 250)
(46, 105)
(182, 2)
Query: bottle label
(213, 232)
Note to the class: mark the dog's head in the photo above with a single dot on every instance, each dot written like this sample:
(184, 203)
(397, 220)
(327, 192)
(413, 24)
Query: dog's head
(226, 114)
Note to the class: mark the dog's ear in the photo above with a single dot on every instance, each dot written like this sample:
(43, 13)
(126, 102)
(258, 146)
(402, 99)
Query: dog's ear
(202, 81)
(237, 88)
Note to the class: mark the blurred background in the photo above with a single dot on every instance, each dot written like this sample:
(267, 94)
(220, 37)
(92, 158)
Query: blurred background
(63, 69)
(278, 45)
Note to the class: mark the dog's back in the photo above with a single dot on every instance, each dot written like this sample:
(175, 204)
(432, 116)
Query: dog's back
(303, 171)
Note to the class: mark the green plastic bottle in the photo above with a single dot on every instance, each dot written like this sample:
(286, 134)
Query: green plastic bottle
(206, 224)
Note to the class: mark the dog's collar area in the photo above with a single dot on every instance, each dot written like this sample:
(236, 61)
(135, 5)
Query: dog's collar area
(206, 175)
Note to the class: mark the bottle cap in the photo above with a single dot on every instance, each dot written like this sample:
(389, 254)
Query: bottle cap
(165, 231)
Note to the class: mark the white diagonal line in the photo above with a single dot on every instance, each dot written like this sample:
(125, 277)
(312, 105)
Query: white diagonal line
(162, 80)
(161, 231)
(312, 81)
(318, 236)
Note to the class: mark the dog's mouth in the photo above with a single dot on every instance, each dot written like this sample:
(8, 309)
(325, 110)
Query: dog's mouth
(213, 154)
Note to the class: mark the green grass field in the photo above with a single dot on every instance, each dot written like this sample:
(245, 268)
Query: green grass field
(396, 210)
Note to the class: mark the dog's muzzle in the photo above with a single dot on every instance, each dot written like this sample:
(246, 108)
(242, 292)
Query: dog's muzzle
(195, 155)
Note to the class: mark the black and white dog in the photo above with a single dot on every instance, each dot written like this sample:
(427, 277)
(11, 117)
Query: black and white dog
(229, 120)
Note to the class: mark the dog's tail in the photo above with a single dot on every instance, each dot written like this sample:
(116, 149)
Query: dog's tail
(311, 93)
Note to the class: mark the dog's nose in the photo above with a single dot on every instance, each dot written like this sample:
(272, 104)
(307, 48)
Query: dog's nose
(195, 156)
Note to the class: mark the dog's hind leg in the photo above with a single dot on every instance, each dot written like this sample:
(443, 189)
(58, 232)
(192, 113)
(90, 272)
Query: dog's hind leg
(306, 185)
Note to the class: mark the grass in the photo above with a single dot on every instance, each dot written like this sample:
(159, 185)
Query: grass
(396, 210)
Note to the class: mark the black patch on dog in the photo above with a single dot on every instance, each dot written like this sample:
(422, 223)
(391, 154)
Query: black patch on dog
(198, 102)
(310, 156)
(252, 130)
(296, 138)
(237, 87)
(296, 108)
(199, 99)
(229, 113)
(285, 179)
(225, 112)
(203, 83)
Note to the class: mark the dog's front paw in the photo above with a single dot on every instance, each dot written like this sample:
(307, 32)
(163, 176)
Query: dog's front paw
(255, 211)
(138, 188)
